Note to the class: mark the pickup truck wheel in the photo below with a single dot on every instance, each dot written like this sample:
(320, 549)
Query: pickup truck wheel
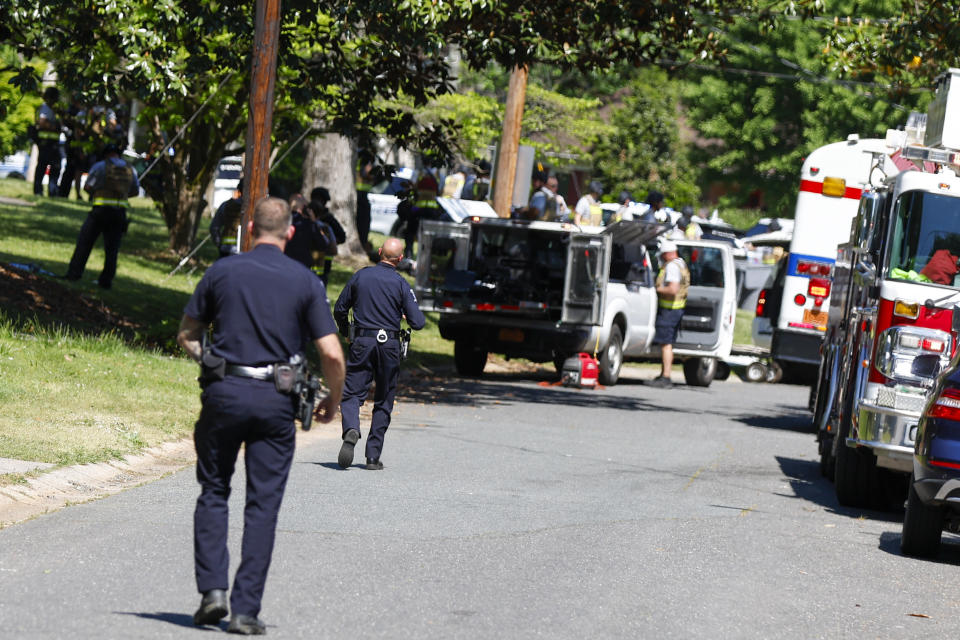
(755, 372)
(611, 358)
(699, 372)
(774, 373)
(468, 359)
(922, 527)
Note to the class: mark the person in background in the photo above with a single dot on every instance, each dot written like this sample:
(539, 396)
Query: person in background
(110, 183)
(543, 201)
(319, 197)
(655, 202)
(312, 240)
(588, 210)
(75, 129)
(48, 143)
(225, 226)
(625, 200)
(672, 284)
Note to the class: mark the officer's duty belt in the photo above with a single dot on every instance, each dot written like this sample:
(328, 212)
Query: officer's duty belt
(376, 333)
(258, 373)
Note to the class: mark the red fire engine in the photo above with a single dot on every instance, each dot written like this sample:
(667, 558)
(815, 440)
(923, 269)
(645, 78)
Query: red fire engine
(894, 316)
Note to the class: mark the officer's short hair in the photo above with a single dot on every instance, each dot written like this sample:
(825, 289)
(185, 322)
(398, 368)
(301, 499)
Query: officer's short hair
(271, 216)
(51, 94)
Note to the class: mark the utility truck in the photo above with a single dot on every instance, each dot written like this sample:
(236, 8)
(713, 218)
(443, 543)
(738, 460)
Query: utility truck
(893, 317)
(546, 291)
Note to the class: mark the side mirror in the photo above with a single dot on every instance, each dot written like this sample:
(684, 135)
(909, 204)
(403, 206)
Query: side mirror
(865, 272)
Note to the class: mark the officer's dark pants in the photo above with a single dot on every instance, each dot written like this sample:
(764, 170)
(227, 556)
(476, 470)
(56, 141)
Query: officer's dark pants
(370, 361)
(251, 412)
(71, 173)
(48, 155)
(109, 221)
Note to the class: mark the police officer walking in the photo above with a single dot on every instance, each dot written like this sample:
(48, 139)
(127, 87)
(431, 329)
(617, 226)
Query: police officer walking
(263, 307)
(380, 299)
(110, 182)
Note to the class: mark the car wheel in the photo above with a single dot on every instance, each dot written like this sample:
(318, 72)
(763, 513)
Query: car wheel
(922, 527)
(755, 372)
(699, 372)
(468, 359)
(611, 359)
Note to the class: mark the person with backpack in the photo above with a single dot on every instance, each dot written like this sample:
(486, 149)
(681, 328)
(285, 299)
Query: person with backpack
(110, 182)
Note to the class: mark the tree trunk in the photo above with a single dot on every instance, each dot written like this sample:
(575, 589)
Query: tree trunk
(329, 162)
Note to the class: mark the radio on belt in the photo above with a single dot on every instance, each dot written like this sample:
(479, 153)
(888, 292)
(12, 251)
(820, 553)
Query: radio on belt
(580, 371)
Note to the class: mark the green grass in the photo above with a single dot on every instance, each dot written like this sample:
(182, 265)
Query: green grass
(79, 394)
(743, 327)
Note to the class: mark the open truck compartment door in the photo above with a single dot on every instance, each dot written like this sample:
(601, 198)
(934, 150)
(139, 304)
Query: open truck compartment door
(442, 258)
(585, 281)
(702, 325)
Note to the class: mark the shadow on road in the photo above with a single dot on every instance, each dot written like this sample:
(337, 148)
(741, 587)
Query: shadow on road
(949, 548)
(807, 484)
(178, 619)
(508, 388)
(793, 419)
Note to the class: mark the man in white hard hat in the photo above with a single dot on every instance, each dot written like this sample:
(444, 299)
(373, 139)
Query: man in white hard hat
(672, 284)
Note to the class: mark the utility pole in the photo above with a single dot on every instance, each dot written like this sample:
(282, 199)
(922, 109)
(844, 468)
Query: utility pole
(509, 142)
(263, 75)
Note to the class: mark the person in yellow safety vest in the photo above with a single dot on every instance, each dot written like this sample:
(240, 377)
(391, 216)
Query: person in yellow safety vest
(47, 138)
(453, 183)
(110, 182)
(225, 226)
(672, 284)
(588, 211)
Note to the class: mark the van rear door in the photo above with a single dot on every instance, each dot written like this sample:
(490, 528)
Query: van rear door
(442, 258)
(585, 281)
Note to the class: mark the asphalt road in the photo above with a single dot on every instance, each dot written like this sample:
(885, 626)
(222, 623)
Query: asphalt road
(512, 510)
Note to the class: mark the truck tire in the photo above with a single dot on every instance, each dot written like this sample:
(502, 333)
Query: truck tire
(755, 372)
(922, 527)
(855, 476)
(699, 372)
(611, 358)
(468, 359)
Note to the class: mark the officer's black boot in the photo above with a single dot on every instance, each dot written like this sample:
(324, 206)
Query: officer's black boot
(374, 465)
(246, 625)
(350, 438)
(213, 607)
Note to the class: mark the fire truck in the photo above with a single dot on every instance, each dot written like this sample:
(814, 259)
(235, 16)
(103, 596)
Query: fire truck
(894, 317)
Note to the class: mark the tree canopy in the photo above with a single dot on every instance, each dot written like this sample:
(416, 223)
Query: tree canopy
(343, 65)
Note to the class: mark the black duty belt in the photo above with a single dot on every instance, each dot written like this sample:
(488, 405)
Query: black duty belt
(258, 373)
(382, 335)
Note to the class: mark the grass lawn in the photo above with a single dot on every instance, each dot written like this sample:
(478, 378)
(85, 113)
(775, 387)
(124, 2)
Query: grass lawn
(84, 389)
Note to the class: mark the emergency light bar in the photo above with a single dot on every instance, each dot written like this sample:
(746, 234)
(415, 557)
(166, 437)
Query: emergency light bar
(926, 154)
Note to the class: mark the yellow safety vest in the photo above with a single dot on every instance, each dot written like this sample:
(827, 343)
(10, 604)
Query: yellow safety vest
(679, 301)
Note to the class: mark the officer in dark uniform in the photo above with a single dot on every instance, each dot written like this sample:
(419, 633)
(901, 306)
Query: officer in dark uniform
(110, 182)
(380, 299)
(264, 307)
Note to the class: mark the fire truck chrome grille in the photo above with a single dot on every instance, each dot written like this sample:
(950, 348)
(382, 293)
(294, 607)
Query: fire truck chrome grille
(894, 399)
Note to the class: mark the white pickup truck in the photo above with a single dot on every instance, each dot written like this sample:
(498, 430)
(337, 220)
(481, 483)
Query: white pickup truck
(545, 291)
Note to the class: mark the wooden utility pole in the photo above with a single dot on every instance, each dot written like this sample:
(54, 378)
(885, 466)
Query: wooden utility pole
(263, 75)
(509, 142)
